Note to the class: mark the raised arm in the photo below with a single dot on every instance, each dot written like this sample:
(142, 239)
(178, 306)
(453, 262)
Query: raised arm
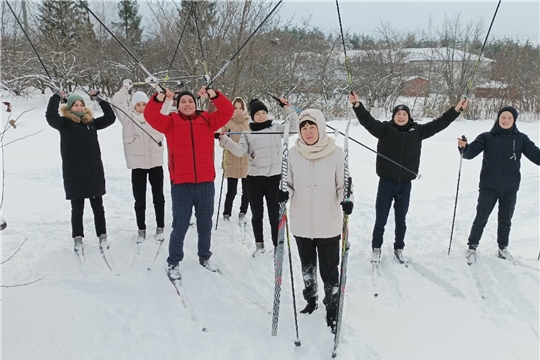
(108, 115)
(156, 116)
(373, 126)
(224, 108)
(431, 128)
(120, 100)
(53, 117)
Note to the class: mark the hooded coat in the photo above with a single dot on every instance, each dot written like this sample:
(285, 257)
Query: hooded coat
(316, 188)
(502, 156)
(236, 167)
(82, 168)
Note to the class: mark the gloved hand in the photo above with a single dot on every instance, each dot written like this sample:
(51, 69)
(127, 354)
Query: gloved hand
(60, 94)
(282, 196)
(151, 80)
(347, 207)
(128, 84)
(94, 95)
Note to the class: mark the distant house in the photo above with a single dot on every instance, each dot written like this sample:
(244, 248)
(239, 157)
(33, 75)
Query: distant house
(497, 90)
(416, 86)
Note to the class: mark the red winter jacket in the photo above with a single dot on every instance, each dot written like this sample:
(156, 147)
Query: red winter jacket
(190, 140)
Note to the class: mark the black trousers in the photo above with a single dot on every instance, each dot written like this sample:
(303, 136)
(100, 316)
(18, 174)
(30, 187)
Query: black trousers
(232, 184)
(327, 251)
(260, 188)
(486, 202)
(77, 210)
(139, 179)
(398, 192)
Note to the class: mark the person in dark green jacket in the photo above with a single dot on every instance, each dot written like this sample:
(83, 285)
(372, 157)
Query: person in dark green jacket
(400, 140)
(500, 177)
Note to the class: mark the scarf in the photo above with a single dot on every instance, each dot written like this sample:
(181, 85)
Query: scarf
(260, 126)
(320, 149)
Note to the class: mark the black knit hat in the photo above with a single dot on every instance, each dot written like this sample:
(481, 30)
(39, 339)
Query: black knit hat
(401, 107)
(510, 109)
(185, 92)
(256, 105)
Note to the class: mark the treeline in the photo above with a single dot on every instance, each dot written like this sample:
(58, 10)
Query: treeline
(301, 62)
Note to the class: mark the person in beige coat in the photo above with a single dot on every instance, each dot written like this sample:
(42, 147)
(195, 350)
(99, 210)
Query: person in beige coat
(315, 180)
(144, 156)
(236, 167)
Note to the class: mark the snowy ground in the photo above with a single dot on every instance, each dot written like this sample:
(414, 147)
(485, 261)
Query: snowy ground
(431, 310)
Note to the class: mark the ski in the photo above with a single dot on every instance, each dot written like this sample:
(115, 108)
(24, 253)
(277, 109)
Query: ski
(153, 259)
(278, 256)
(375, 277)
(80, 257)
(107, 258)
(347, 189)
(184, 299)
(476, 277)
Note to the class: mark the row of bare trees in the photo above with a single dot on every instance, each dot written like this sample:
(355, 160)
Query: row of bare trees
(298, 61)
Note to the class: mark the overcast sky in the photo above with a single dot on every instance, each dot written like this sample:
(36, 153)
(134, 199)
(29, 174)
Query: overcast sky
(516, 19)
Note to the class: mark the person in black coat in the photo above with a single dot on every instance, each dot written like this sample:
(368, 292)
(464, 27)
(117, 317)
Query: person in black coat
(400, 140)
(82, 168)
(500, 176)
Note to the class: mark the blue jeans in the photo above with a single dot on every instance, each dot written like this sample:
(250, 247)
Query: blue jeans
(184, 198)
(400, 193)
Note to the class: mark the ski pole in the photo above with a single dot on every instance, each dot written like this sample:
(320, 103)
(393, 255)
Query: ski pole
(154, 85)
(469, 86)
(223, 165)
(242, 46)
(457, 191)
(32, 45)
(297, 342)
(179, 41)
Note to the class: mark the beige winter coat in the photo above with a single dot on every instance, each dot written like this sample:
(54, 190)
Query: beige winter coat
(140, 150)
(316, 190)
(236, 167)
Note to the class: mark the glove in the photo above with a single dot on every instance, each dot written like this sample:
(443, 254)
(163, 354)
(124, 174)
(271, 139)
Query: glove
(217, 135)
(151, 80)
(128, 84)
(282, 196)
(96, 96)
(60, 94)
(347, 207)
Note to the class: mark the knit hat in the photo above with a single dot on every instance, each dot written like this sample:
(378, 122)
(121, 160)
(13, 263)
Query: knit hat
(510, 109)
(401, 107)
(72, 98)
(256, 105)
(138, 97)
(185, 92)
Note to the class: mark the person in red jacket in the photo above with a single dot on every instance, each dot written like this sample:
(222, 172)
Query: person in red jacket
(190, 142)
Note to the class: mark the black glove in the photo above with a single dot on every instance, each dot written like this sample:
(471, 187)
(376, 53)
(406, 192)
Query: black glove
(282, 196)
(347, 207)
(217, 135)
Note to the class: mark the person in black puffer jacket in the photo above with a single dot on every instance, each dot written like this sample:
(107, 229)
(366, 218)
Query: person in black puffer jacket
(400, 140)
(82, 168)
(499, 177)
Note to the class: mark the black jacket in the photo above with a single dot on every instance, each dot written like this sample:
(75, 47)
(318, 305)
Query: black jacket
(402, 144)
(502, 157)
(82, 168)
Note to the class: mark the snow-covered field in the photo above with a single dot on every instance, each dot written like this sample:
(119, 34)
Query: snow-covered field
(431, 310)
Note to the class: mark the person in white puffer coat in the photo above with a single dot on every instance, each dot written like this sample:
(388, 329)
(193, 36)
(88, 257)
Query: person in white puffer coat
(144, 156)
(316, 180)
(264, 165)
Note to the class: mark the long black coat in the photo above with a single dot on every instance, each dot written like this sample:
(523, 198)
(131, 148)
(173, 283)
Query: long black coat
(82, 168)
(403, 144)
(502, 157)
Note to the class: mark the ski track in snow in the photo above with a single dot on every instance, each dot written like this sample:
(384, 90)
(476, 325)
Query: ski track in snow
(430, 310)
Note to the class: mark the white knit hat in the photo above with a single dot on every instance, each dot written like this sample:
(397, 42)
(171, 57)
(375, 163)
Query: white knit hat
(138, 97)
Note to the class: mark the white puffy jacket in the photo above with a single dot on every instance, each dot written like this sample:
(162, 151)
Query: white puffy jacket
(140, 150)
(264, 151)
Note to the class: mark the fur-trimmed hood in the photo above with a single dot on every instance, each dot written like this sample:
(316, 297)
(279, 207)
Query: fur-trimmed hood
(88, 116)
